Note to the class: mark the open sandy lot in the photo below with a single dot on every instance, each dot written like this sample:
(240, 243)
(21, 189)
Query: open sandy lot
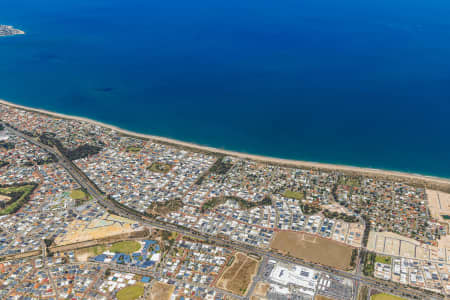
(106, 226)
(384, 241)
(422, 252)
(161, 291)
(394, 244)
(356, 232)
(313, 248)
(439, 204)
(237, 277)
(407, 249)
(4, 198)
(261, 289)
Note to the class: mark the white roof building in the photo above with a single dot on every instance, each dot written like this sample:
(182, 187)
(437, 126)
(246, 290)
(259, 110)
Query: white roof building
(296, 275)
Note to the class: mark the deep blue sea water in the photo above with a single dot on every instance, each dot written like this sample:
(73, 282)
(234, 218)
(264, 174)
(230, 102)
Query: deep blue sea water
(353, 82)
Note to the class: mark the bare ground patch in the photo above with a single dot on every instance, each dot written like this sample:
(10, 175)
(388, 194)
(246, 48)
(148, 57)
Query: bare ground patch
(4, 198)
(237, 277)
(161, 291)
(313, 248)
(261, 289)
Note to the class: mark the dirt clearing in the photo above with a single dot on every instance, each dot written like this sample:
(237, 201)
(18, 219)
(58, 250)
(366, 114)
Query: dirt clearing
(161, 291)
(313, 248)
(261, 289)
(237, 277)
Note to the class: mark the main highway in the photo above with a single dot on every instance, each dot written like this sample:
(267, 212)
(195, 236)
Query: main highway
(101, 198)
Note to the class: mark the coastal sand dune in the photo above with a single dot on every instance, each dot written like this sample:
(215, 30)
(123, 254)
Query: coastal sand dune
(437, 183)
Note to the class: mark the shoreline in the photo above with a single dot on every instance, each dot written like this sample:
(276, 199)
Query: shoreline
(434, 182)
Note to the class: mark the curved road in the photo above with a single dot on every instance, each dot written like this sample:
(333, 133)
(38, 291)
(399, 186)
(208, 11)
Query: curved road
(100, 197)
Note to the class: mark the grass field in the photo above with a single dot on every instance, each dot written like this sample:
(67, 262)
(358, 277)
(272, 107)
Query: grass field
(16, 189)
(79, 194)
(383, 259)
(350, 181)
(314, 249)
(237, 277)
(384, 296)
(159, 167)
(20, 193)
(133, 149)
(85, 253)
(320, 297)
(131, 292)
(126, 247)
(294, 195)
(96, 250)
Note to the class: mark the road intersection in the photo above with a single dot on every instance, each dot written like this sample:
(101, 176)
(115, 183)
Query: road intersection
(116, 208)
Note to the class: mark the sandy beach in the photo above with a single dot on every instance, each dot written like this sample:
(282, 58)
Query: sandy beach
(429, 181)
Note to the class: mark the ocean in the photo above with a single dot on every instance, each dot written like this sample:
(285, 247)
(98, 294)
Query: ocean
(364, 83)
